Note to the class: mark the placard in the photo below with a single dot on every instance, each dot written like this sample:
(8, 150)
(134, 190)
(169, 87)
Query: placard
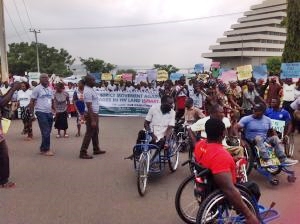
(244, 72)
(162, 75)
(290, 70)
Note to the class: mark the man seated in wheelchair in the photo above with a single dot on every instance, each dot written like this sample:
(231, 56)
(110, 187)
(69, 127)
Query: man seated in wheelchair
(230, 143)
(211, 154)
(159, 123)
(281, 119)
(258, 130)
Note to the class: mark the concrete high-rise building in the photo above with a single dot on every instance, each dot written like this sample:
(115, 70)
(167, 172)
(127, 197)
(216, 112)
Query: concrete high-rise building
(257, 36)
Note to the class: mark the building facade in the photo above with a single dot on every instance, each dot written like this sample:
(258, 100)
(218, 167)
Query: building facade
(257, 36)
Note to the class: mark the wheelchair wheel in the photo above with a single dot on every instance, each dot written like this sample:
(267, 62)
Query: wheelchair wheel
(248, 152)
(142, 173)
(188, 198)
(289, 146)
(173, 154)
(216, 209)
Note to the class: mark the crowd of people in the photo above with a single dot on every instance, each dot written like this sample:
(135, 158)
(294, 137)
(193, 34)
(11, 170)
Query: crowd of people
(247, 105)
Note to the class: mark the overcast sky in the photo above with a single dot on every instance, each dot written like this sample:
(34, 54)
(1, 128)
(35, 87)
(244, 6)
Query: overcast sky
(179, 44)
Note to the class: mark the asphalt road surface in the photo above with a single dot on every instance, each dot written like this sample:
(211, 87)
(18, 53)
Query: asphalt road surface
(65, 189)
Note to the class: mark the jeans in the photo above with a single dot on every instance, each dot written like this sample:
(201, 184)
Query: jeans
(91, 133)
(45, 121)
(4, 163)
(274, 141)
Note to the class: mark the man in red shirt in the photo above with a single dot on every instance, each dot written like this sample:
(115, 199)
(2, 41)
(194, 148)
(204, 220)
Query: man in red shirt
(211, 154)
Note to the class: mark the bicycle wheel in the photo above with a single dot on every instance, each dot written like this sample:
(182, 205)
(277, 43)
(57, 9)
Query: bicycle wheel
(187, 199)
(173, 153)
(142, 173)
(216, 209)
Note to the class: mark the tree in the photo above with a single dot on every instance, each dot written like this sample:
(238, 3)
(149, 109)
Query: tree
(22, 58)
(291, 51)
(97, 65)
(131, 71)
(274, 64)
(168, 68)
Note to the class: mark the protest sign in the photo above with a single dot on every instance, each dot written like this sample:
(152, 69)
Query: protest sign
(162, 75)
(97, 76)
(34, 76)
(260, 72)
(228, 76)
(106, 76)
(199, 68)
(278, 125)
(290, 70)
(127, 77)
(175, 76)
(215, 64)
(216, 73)
(152, 75)
(141, 77)
(244, 72)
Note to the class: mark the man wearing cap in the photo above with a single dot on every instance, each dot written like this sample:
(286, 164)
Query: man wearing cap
(258, 129)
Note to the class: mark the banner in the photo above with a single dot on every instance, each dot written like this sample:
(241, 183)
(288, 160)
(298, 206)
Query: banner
(290, 70)
(126, 103)
(152, 75)
(189, 76)
(127, 77)
(106, 76)
(215, 64)
(260, 72)
(118, 78)
(175, 76)
(97, 76)
(199, 68)
(229, 76)
(162, 75)
(244, 72)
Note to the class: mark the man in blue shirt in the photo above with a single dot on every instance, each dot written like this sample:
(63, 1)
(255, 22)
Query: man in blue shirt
(277, 113)
(257, 128)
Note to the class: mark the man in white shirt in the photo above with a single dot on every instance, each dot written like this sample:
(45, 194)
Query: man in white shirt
(159, 122)
(111, 86)
(289, 89)
(217, 112)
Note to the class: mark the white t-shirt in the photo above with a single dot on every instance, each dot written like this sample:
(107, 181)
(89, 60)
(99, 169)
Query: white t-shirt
(200, 126)
(111, 87)
(24, 97)
(4, 90)
(289, 92)
(159, 122)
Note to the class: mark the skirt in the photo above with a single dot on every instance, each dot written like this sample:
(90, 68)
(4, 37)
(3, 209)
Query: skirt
(61, 121)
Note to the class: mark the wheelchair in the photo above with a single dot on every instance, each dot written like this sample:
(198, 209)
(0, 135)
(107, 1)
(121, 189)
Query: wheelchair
(270, 172)
(149, 159)
(196, 187)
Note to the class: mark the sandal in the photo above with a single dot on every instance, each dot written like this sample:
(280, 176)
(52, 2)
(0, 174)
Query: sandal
(66, 136)
(8, 185)
(58, 136)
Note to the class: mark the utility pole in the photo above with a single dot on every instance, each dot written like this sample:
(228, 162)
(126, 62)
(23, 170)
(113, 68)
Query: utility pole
(3, 52)
(37, 48)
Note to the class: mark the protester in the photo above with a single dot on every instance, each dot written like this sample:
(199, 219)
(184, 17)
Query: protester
(4, 157)
(42, 103)
(274, 91)
(249, 96)
(91, 118)
(181, 94)
(61, 102)
(79, 105)
(23, 97)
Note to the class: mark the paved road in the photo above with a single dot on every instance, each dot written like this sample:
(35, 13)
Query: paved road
(64, 189)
